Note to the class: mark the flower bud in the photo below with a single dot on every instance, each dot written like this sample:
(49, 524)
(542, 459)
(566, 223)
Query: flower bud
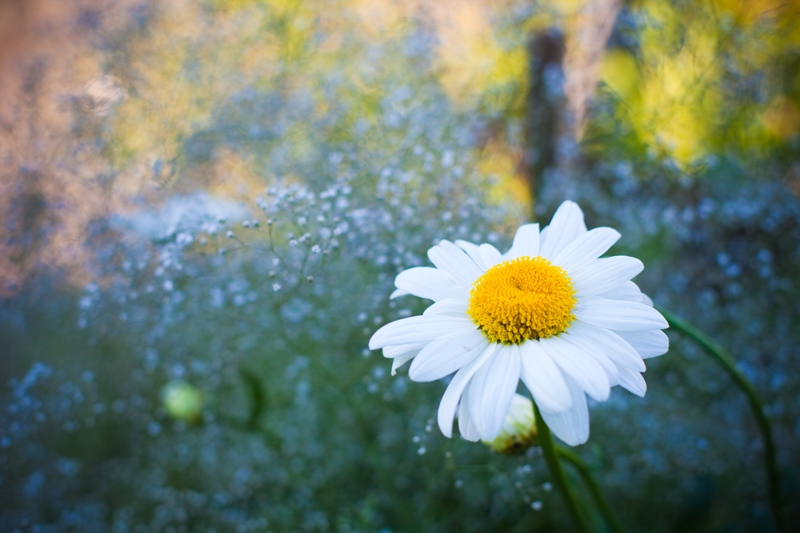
(183, 401)
(519, 428)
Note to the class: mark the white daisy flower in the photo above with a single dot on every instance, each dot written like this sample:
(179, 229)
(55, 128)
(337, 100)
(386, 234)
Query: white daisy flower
(549, 311)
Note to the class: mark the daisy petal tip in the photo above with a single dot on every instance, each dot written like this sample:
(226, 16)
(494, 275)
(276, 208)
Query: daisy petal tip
(638, 392)
(397, 293)
(581, 440)
(568, 204)
(604, 396)
(571, 439)
(414, 372)
(446, 426)
(378, 341)
(470, 438)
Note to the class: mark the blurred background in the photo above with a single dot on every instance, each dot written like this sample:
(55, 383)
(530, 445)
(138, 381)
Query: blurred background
(205, 202)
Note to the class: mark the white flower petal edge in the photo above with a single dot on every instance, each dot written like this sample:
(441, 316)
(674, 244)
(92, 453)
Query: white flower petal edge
(612, 345)
(490, 255)
(605, 276)
(453, 260)
(449, 307)
(572, 425)
(400, 360)
(447, 354)
(473, 251)
(466, 426)
(526, 242)
(455, 390)
(615, 329)
(585, 371)
(429, 283)
(586, 248)
(543, 379)
(491, 390)
(649, 344)
(620, 315)
(418, 329)
(566, 226)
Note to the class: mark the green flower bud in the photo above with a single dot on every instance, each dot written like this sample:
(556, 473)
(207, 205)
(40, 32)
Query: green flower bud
(183, 401)
(519, 428)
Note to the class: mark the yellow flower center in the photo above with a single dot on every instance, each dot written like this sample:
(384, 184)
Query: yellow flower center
(521, 299)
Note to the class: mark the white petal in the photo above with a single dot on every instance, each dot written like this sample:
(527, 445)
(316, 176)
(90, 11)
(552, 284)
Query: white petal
(542, 238)
(603, 275)
(447, 354)
(543, 378)
(580, 366)
(453, 260)
(619, 315)
(393, 351)
(491, 390)
(430, 283)
(422, 329)
(572, 425)
(586, 248)
(397, 293)
(646, 300)
(402, 359)
(466, 426)
(526, 242)
(591, 349)
(633, 381)
(614, 346)
(449, 403)
(649, 344)
(627, 291)
(449, 307)
(566, 226)
(491, 256)
(473, 250)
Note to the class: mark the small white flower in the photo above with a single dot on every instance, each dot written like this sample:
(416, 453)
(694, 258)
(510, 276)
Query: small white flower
(549, 311)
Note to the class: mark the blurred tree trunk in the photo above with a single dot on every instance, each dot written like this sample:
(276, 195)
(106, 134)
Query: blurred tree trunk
(545, 106)
(564, 70)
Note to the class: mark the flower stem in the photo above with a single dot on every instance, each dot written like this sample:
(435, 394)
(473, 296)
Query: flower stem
(597, 494)
(728, 363)
(554, 465)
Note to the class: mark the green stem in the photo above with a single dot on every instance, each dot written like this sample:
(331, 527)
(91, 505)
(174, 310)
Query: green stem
(554, 465)
(594, 488)
(728, 363)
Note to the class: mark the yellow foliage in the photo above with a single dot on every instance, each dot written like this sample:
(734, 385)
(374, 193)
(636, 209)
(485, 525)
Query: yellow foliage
(501, 162)
(752, 11)
(471, 61)
(781, 118)
(620, 72)
(673, 94)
